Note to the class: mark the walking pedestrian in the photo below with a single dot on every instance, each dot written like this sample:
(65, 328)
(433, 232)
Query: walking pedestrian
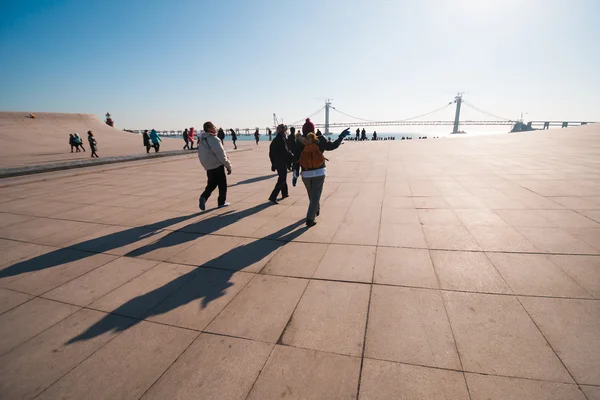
(186, 139)
(191, 138)
(221, 136)
(291, 143)
(357, 134)
(155, 140)
(363, 135)
(93, 144)
(72, 143)
(146, 141)
(270, 134)
(256, 136)
(310, 165)
(214, 159)
(280, 157)
(78, 141)
(233, 138)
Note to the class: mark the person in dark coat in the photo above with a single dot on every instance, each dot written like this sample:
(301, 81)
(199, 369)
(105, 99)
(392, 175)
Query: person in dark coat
(186, 139)
(233, 138)
(73, 143)
(146, 141)
(221, 135)
(93, 144)
(291, 142)
(280, 157)
(256, 135)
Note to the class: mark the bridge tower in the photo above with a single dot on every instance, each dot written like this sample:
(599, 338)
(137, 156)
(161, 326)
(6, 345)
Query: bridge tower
(458, 101)
(327, 105)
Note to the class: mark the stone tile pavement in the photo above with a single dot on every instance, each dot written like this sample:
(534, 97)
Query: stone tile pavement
(463, 268)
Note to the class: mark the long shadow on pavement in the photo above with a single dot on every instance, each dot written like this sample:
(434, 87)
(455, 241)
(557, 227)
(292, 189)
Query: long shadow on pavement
(126, 237)
(203, 283)
(254, 180)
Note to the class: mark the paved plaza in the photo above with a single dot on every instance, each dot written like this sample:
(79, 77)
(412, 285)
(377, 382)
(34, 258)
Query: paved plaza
(457, 268)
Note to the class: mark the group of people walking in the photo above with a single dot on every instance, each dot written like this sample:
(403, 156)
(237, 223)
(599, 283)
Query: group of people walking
(151, 139)
(301, 154)
(76, 143)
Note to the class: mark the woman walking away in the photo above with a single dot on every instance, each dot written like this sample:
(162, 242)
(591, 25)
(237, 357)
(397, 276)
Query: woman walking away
(233, 138)
(146, 141)
(309, 157)
(78, 141)
(191, 137)
(221, 135)
(214, 159)
(72, 143)
(280, 157)
(186, 139)
(155, 140)
(93, 144)
(256, 135)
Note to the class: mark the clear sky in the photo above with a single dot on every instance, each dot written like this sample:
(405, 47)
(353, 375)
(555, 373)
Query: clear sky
(174, 64)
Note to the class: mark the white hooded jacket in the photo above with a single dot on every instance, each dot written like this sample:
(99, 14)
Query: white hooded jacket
(211, 152)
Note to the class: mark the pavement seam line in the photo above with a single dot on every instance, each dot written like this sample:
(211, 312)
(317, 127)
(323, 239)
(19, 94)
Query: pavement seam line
(548, 343)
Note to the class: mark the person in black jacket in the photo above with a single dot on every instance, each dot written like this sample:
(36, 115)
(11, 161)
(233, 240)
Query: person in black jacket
(233, 138)
(221, 135)
(291, 142)
(313, 165)
(186, 139)
(146, 138)
(280, 157)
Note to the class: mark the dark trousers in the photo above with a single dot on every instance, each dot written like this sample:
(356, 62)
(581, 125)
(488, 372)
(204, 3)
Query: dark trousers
(216, 177)
(314, 188)
(281, 184)
(156, 147)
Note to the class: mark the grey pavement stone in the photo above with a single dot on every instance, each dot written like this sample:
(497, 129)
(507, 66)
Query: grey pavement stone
(213, 367)
(293, 373)
(126, 367)
(571, 327)
(410, 326)
(331, 316)
(489, 387)
(27, 320)
(261, 310)
(494, 335)
(31, 368)
(383, 380)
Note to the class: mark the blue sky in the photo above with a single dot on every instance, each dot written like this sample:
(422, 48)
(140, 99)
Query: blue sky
(174, 64)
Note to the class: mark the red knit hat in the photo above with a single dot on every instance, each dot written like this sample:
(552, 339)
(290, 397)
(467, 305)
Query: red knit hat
(308, 127)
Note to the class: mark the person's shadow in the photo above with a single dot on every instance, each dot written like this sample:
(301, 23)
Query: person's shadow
(254, 180)
(205, 283)
(129, 236)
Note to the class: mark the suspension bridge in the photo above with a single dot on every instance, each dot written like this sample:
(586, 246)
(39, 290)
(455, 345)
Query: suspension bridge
(456, 123)
(416, 121)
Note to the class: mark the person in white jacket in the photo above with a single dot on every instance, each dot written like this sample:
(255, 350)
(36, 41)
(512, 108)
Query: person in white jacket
(214, 159)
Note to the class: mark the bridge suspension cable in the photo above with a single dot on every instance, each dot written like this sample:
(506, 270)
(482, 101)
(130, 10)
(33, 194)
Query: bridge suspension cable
(489, 114)
(310, 116)
(400, 120)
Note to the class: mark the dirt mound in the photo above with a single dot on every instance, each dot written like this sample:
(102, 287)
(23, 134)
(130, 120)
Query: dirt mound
(27, 141)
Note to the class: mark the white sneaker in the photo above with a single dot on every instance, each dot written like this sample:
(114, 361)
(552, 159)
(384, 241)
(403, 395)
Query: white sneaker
(226, 204)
